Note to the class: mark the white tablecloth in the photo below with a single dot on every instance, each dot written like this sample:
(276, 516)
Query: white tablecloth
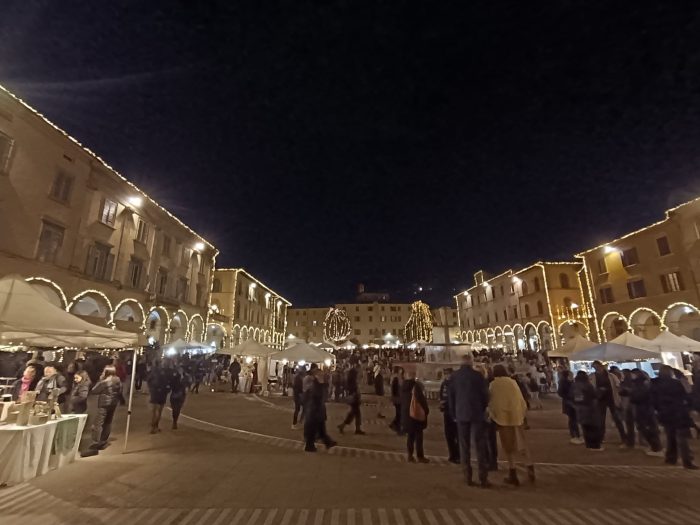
(27, 452)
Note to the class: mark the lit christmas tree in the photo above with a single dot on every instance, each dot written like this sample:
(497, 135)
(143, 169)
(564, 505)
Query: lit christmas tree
(420, 325)
(336, 326)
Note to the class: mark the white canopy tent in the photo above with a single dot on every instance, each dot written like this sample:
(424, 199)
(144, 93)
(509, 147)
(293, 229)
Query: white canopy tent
(181, 346)
(348, 345)
(250, 348)
(28, 318)
(326, 346)
(304, 352)
(575, 344)
(613, 352)
(692, 343)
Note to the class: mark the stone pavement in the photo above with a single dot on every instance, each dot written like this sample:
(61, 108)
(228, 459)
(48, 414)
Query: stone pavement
(224, 472)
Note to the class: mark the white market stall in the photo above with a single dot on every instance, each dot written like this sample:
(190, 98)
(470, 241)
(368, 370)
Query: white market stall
(251, 349)
(348, 345)
(187, 347)
(575, 344)
(306, 353)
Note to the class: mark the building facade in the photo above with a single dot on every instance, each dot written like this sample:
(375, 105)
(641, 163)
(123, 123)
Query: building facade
(243, 308)
(91, 241)
(647, 280)
(529, 309)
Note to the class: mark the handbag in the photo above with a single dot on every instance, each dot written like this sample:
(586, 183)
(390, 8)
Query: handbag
(416, 410)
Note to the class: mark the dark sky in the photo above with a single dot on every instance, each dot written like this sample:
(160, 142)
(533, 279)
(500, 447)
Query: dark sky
(399, 144)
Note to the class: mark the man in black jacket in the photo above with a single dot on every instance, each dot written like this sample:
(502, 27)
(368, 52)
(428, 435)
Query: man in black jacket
(450, 426)
(235, 371)
(353, 389)
(468, 398)
(672, 404)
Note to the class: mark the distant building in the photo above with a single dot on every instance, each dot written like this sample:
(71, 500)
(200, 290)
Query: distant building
(91, 241)
(245, 308)
(363, 296)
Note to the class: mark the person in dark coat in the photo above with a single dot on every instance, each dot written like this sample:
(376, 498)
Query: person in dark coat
(179, 383)
(353, 399)
(585, 400)
(297, 393)
(468, 400)
(449, 424)
(158, 388)
(396, 381)
(77, 402)
(565, 392)
(413, 423)
(235, 370)
(28, 381)
(643, 408)
(673, 407)
(52, 380)
(315, 412)
(109, 392)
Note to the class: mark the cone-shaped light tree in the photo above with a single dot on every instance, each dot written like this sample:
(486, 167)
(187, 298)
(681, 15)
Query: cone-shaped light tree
(420, 324)
(336, 326)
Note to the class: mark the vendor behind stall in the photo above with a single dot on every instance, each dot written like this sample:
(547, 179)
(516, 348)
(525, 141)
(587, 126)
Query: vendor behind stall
(52, 380)
(27, 382)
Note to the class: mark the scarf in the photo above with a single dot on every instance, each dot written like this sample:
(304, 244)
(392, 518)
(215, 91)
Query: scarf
(25, 385)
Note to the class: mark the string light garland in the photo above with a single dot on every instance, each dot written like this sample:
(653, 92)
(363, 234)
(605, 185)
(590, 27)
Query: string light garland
(420, 324)
(336, 325)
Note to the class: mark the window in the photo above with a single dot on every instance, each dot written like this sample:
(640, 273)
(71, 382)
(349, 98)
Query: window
(602, 267)
(392, 308)
(50, 242)
(186, 256)
(370, 308)
(383, 331)
(162, 282)
(567, 302)
(135, 273)
(370, 318)
(108, 213)
(357, 308)
(488, 319)
(216, 287)
(357, 331)
(512, 289)
(198, 294)
(6, 145)
(515, 312)
(524, 288)
(181, 291)
(540, 308)
(61, 187)
(564, 280)
(663, 246)
(165, 249)
(672, 282)
(606, 295)
(252, 296)
(357, 318)
(505, 315)
(382, 319)
(536, 282)
(630, 257)
(495, 315)
(142, 231)
(382, 308)
(99, 261)
(527, 310)
(502, 294)
(636, 289)
(314, 323)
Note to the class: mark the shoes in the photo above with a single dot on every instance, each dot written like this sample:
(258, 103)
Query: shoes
(673, 463)
(294, 427)
(94, 446)
(453, 460)
(531, 473)
(381, 416)
(174, 425)
(88, 453)
(423, 460)
(691, 466)
(599, 449)
(341, 427)
(576, 441)
(330, 445)
(411, 459)
(310, 449)
(485, 484)
(656, 454)
(512, 478)
(359, 432)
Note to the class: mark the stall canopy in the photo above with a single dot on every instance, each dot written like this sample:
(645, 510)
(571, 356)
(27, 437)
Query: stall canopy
(181, 346)
(303, 352)
(613, 352)
(326, 346)
(668, 342)
(692, 343)
(571, 346)
(250, 348)
(630, 339)
(28, 318)
(348, 345)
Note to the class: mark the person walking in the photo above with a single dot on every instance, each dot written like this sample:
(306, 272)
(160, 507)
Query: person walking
(627, 408)
(379, 389)
(586, 402)
(158, 387)
(643, 409)
(508, 409)
(414, 417)
(533, 388)
(235, 370)
(396, 381)
(565, 392)
(468, 399)
(179, 383)
(607, 387)
(315, 412)
(109, 392)
(672, 403)
(77, 401)
(297, 393)
(198, 374)
(449, 425)
(354, 400)
(337, 380)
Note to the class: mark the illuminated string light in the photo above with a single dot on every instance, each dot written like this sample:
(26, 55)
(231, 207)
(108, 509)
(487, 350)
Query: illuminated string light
(420, 324)
(336, 325)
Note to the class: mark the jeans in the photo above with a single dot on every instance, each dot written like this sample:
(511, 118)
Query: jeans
(176, 406)
(396, 422)
(354, 413)
(313, 430)
(156, 411)
(574, 431)
(235, 380)
(677, 441)
(591, 435)
(414, 441)
(472, 432)
(102, 427)
(297, 407)
(644, 418)
(451, 437)
(630, 435)
(604, 406)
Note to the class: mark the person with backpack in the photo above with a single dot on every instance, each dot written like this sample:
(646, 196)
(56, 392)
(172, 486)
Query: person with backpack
(414, 417)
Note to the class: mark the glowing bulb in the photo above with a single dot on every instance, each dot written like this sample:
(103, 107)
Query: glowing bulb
(327, 362)
(302, 362)
(199, 246)
(135, 201)
(248, 359)
(610, 249)
(170, 351)
(285, 361)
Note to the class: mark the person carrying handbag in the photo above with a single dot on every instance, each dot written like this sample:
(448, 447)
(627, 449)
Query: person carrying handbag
(414, 417)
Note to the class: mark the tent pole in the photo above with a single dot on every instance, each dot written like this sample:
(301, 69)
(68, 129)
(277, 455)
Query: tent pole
(131, 398)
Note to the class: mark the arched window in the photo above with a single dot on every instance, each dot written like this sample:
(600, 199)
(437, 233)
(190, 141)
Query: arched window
(536, 282)
(567, 302)
(524, 288)
(216, 287)
(540, 308)
(564, 280)
(527, 310)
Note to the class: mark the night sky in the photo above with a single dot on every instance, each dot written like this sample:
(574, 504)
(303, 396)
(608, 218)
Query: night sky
(398, 144)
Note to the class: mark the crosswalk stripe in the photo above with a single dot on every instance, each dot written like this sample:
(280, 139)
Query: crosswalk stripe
(551, 518)
(479, 517)
(493, 514)
(221, 517)
(366, 517)
(398, 516)
(303, 515)
(462, 516)
(8, 491)
(430, 516)
(22, 498)
(510, 517)
(576, 519)
(155, 518)
(287, 517)
(188, 517)
(335, 517)
(318, 519)
(270, 517)
(253, 519)
(665, 515)
(688, 514)
(413, 515)
(238, 517)
(351, 517)
(600, 515)
(526, 514)
(205, 517)
(383, 517)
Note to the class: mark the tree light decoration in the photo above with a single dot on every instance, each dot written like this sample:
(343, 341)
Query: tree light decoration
(336, 325)
(420, 324)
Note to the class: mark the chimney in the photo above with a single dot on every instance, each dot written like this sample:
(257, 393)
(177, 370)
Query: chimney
(360, 288)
